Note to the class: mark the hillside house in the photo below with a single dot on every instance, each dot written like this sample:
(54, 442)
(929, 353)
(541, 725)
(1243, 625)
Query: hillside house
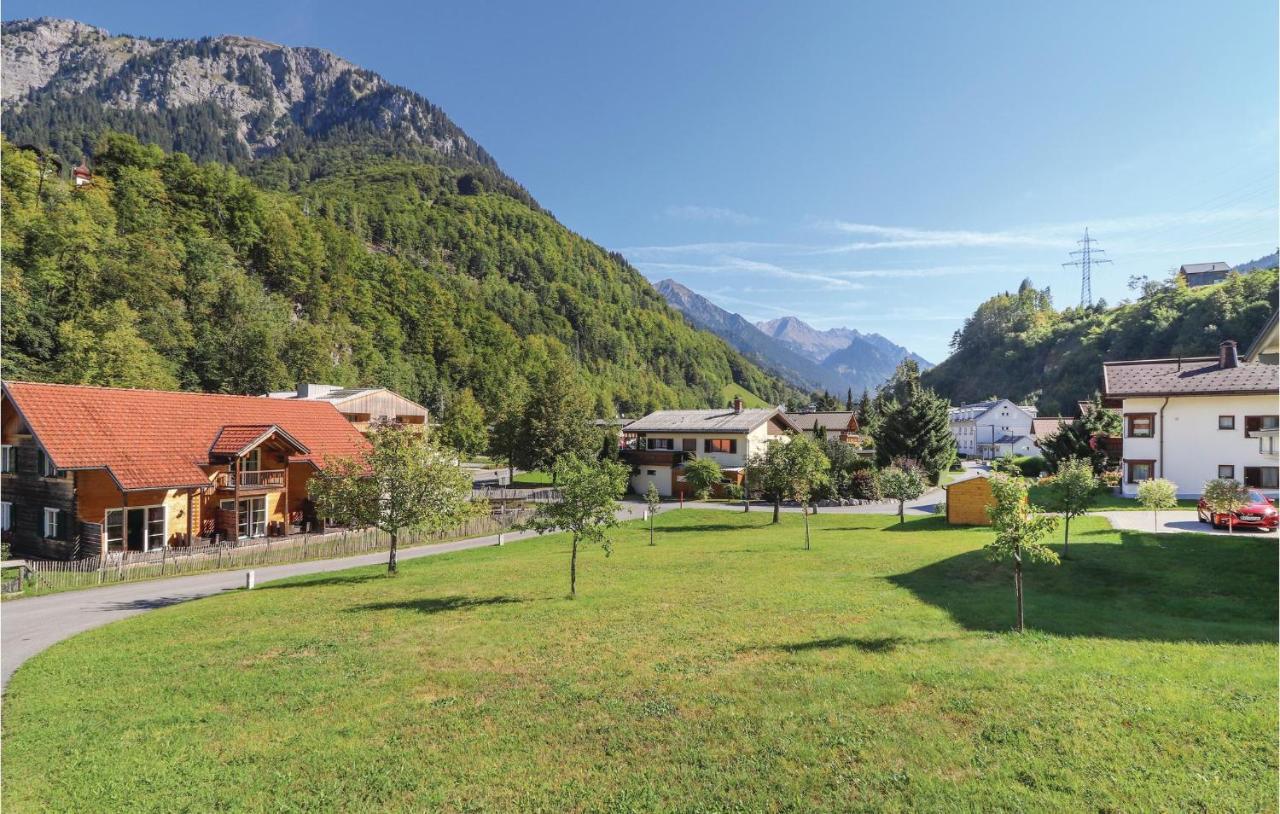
(1198, 274)
(1192, 420)
(842, 425)
(365, 407)
(89, 470)
(993, 429)
(660, 443)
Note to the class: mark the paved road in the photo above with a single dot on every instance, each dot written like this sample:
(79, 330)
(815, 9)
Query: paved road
(1173, 522)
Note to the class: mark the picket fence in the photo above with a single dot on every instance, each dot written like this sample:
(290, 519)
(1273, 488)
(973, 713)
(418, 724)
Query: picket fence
(50, 576)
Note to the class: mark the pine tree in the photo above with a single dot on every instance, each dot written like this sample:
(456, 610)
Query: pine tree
(918, 428)
(848, 400)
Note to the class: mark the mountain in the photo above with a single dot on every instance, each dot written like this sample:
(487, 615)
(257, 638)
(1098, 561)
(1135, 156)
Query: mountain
(226, 98)
(332, 227)
(1268, 262)
(1016, 345)
(815, 344)
(834, 360)
(767, 352)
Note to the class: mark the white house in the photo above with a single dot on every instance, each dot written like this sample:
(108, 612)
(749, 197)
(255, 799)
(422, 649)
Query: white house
(1192, 420)
(660, 443)
(993, 429)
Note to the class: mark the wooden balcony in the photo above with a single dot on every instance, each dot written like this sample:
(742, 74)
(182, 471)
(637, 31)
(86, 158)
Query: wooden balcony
(253, 480)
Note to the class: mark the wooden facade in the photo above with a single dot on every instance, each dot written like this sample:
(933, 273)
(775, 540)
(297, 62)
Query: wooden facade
(967, 502)
(167, 488)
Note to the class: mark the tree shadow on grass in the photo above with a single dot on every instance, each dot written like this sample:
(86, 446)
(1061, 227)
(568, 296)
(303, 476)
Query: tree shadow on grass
(343, 579)
(912, 523)
(1148, 587)
(438, 604)
(701, 528)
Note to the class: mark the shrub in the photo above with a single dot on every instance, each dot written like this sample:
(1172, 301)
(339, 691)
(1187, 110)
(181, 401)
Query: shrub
(1031, 466)
(732, 491)
(865, 485)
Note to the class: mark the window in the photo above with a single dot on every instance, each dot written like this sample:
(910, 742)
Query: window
(8, 458)
(651, 471)
(6, 515)
(1226, 471)
(252, 462)
(1141, 425)
(1256, 423)
(52, 518)
(661, 443)
(1262, 477)
(1267, 444)
(1140, 471)
(137, 529)
(1226, 422)
(728, 446)
(689, 445)
(44, 465)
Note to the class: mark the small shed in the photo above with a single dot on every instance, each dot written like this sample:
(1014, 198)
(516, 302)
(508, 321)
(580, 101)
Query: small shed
(967, 501)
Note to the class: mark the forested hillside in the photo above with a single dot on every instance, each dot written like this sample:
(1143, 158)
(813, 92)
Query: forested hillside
(337, 264)
(1018, 346)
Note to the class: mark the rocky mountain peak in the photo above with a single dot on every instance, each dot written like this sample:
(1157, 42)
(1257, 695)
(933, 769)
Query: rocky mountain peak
(253, 95)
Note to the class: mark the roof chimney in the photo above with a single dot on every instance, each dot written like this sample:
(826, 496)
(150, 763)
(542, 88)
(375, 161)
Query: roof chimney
(1228, 356)
(737, 405)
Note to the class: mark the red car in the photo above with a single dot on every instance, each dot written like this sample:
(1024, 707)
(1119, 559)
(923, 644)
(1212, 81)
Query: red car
(1258, 513)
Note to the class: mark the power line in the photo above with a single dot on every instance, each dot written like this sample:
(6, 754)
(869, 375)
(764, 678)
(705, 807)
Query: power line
(1085, 260)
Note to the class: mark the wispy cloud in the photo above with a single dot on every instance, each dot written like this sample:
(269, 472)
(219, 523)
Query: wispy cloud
(727, 264)
(713, 214)
(905, 237)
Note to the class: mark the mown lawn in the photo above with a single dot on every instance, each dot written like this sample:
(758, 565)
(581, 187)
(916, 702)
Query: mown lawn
(725, 669)
(533, 478)
(1107, 501)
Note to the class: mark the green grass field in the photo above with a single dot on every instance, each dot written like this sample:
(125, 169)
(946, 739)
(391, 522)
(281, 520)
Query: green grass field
(725, 669)
(532, 478)
(749, 399)
(1044, 497)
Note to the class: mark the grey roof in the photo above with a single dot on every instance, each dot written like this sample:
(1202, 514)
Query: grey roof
(831, 422)
(706, 420)
(1186, 377)
(1200, 268)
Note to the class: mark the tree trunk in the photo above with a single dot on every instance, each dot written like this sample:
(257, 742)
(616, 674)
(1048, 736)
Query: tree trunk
(805, 511)
(391, 559)
(651, 527)
(1066, 536)
(1017, 588)
(777, 508)
(902, 512)
(573, 569)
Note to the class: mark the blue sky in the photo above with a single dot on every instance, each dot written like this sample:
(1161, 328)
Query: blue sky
(885, 166)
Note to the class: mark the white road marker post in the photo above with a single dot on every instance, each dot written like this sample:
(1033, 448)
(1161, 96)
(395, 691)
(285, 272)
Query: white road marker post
(248, 580)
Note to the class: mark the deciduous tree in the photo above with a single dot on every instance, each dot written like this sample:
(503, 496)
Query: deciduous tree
(653, 500)
(1074, 487)
(463, 426)
(1155, 495)
(403, 481)
(1019, 529)
(588, 506)
(702, 474)
(1224, 496)
(902, 481)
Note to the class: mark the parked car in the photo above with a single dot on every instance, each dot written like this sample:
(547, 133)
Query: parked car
(1258, 513)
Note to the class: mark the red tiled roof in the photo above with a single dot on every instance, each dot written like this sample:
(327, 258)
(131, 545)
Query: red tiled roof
(152, 439)
(233, 438)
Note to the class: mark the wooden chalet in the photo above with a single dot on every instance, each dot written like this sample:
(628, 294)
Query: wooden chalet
(89, 470)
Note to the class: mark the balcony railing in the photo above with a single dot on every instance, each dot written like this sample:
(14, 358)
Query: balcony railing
(254, 479)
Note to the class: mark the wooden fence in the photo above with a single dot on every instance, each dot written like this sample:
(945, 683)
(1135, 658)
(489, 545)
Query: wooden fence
(545, 494)
(49, 576)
